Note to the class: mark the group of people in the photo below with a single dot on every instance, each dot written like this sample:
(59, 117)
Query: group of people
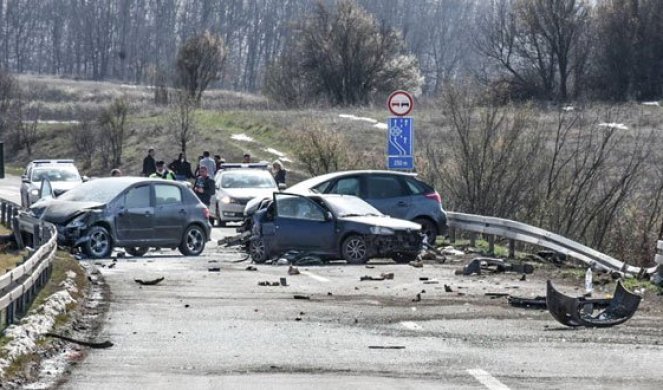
(203, 176)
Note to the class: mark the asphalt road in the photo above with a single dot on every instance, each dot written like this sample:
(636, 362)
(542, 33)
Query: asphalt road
(210, 330)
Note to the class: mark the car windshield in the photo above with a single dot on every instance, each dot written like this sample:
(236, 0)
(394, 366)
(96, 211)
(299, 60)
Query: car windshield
(244, 179)
(55, 174)
(348, 206)
(101, 191)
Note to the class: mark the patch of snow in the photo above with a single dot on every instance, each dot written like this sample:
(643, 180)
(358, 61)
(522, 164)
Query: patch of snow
(274, 152)
(568, 108)
(25, 334)
(657, 104)
(381, 126)
(619, 126)
(242, 137)
(53, 122)
(358, 118)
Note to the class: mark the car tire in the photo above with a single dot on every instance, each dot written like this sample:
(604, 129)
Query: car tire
(404, 257)
(100, 243)
(193, 242)
(258, 250)
(428, 228)
(355, 249)
(137, 251)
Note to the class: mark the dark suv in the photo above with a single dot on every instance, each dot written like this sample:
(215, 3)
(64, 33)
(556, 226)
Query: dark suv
(397, 194)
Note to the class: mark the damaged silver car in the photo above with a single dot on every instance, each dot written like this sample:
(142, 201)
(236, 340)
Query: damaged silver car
(328, 226)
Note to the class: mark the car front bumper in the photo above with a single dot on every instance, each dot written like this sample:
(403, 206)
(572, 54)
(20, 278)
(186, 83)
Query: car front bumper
(398, 242)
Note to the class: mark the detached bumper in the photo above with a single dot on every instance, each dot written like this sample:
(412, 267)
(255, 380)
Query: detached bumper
(399, 242)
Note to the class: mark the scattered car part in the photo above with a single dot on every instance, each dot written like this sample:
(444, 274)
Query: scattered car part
(251, 268)
(370, 278)
(589, 312)
(101, 345)
(149, 282)
(305, 297)
(213, 269)
(488, 264)
(293, 271)
(496, 294)
(528, 303)
(386, 347)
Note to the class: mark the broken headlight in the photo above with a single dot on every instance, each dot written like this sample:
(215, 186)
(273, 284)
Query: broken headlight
(77, 222)
(381, 230)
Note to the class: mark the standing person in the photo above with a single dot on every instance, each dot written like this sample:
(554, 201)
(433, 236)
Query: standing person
(209, 163)
(182, 168)
(218, 160)
(204, 186)
(279, 172)
(163, 172)
(149, 164)
(247, 158)
(197, 171)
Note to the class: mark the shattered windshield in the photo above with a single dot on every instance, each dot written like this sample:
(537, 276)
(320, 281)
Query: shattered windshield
(101, 191)
(348, 206)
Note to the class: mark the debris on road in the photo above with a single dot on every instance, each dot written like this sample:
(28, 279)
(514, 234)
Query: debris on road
(431, 282)
(386, 347)
(149, 282)
(370, 278)
(283, 282)
(417, 298)
(214, 269)
(488, 264)
(370, 266)
(101, 345)
(268, 283)
(528, 303)
(447, 288)
(589, 312)
(496, 295)
(112, 265)
(251, 268)
(423, 278)
(388, 275)
(523, 278)
(416, 264)
(297, 296)
(293, 271)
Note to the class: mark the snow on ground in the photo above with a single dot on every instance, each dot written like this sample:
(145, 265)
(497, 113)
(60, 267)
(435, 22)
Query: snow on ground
(651, 104)
(568, 108)
(358, 118)
(619, 126)
(381, 126)
(25, 334)
(52, 122)
(242, 137)
(278, 153)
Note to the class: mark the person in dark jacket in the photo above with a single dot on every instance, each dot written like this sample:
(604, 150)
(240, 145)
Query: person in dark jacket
(149, 164)
(181, 168)
(204, 186)
(279, 172)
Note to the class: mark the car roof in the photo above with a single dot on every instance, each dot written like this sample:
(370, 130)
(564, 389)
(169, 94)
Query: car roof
(129, 180)
(314, 181)
(51, 162)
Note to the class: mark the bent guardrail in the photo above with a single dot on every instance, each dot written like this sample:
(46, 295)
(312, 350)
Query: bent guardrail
(20, 285)
(518, 231)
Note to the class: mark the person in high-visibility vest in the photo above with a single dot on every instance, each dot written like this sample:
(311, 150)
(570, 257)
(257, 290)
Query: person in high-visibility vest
(163, 172)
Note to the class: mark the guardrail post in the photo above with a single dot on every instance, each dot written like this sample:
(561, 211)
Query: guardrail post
(17, 233)
(452, 235)
(658, 277)
(36, 236)
(3, 207)
(512, 249)
(473, 239)
(491, 244)
(10, 313)
(10, 213)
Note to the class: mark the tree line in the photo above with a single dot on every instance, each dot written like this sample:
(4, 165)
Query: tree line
(543, 49)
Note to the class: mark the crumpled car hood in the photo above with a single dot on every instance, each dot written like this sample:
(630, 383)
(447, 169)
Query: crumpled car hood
(58, 212)
(392, 223)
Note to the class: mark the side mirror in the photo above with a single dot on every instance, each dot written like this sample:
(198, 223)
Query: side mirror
(24, 179)
(282, 186)
(328, 216)
(85, 178)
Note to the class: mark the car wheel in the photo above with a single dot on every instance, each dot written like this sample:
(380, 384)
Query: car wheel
(355, 250)
(404, 257)
(137, 251)
(258, 250)
(193, 242)
(100, 243)
(428, 228)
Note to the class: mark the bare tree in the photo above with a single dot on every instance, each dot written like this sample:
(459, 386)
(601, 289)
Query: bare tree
(8, 90)
(199, 62)
(83, 139)
(113, 134)
(182, 120)
(321, 150)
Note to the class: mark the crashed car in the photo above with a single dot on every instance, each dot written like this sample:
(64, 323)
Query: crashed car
(328, 226)
(130, 212)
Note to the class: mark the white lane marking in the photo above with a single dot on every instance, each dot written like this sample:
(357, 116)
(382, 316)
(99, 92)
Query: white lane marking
(487, 380)
(314, 276)
(411, 325)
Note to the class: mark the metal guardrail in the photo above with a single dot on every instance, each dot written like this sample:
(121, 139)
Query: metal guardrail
(518, 231)
(20, 285)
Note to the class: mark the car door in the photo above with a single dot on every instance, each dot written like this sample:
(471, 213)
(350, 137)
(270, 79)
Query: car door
(134, 220)
(388, 194)
(170, 214)
(301, 224)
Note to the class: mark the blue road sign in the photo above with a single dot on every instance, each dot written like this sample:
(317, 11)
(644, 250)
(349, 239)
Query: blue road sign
(400, 145)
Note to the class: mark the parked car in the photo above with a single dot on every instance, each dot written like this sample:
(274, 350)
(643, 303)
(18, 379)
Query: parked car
(332, 227)
(397, 194)
(236, 184)
(63, 175)
(130, 212)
